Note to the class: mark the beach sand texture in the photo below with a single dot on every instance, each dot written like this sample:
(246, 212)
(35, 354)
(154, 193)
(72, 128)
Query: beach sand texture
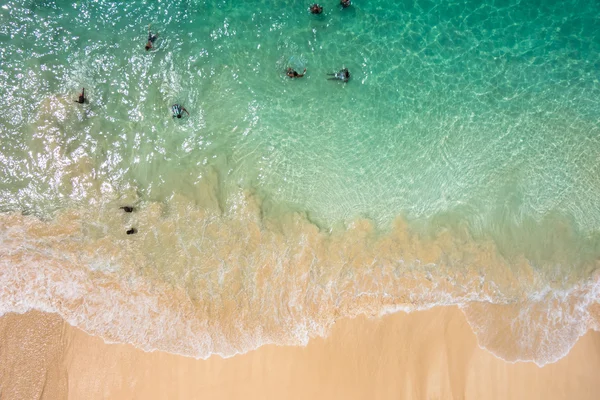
(422, 355)
(458, 171)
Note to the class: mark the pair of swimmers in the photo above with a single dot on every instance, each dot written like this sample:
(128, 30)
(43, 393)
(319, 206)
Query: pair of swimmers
(317, 9)
(177, 109)
(342, 75)
(129, 209)
(151, 39)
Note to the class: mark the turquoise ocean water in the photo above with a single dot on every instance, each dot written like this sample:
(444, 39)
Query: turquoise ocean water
(460, 165)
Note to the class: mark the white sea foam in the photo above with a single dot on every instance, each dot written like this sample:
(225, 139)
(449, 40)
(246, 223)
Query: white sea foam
(235, 285)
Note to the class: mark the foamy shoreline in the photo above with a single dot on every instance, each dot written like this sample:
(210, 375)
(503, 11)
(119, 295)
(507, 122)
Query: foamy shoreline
(197, 292)
(421, 355)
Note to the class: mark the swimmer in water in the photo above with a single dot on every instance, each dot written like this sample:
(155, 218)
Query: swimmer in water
(316, 9)
(293, 74)
(342, 75)
(151, 39)
(81, 98)
(178, 110)
(345, 3)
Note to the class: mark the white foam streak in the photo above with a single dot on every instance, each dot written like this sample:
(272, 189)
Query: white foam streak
(227, 289)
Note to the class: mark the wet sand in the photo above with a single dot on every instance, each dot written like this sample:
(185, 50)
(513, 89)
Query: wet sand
(423, 355)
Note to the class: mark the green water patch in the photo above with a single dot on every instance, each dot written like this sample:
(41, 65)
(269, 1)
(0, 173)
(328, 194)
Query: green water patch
(477, 106)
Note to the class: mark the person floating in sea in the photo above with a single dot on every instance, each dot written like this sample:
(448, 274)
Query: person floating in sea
(151, 38)
(178, 110)
(316, 9)
(345, 3)
(293, 74)
(342, 75)
(81, 98)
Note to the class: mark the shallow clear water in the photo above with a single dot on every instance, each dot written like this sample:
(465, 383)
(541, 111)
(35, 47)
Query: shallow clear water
(460, 165)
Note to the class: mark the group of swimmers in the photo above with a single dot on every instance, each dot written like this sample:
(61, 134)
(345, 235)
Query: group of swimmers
(343, 74)
(178, 110)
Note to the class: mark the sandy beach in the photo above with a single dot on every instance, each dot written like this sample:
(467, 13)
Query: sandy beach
(423, 355)
(191, 223)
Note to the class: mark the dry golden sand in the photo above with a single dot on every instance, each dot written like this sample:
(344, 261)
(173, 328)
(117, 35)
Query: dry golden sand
(424, 355)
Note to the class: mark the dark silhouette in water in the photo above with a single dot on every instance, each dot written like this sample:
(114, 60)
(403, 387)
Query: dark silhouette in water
(131, 231)
(316, 9)
(81, 98)
(151, 39)
(342, 75)
(178, 110)
(345, 3)
(293, 74)
(127, 209)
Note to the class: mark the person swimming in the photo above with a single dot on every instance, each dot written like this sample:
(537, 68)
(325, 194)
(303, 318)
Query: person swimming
(342, 75)
(178, 110)
(345, 3)
(81, 98)
(316, 9)
(151, 39)
(293, 74)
